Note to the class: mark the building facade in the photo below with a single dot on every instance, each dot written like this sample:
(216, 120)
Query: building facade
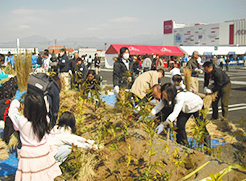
(229, 33)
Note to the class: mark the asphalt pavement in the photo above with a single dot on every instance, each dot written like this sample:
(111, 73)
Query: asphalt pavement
(237, 101)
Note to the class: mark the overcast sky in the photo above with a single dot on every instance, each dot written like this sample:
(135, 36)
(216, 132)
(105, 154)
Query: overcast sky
(60, 19)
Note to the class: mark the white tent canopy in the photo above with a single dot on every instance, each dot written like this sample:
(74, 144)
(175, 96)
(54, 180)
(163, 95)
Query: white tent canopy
(210, 50)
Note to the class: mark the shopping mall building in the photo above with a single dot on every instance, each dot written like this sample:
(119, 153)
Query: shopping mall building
(229, 33)
(227, 39)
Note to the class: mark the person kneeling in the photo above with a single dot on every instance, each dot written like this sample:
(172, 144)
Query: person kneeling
(62, 136)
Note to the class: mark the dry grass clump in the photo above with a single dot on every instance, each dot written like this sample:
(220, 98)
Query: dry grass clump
(13, 142)
(187, 78)
(208, 99)
(3, 152)
(9, 70)
(23, 66)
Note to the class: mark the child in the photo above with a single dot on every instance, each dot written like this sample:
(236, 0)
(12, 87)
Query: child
(62, 137)
(36, 161)
(178, 82)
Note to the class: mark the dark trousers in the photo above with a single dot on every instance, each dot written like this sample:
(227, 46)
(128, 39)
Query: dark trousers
(227, 66)
(139, 101)
(223, 94)
(181, 133)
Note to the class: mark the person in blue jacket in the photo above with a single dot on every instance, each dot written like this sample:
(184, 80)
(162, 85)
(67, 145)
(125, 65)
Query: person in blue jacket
(10, 59)
(34, 59)
(2, 74)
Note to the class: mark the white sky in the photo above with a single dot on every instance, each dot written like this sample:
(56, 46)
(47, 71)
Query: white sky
(60, 19)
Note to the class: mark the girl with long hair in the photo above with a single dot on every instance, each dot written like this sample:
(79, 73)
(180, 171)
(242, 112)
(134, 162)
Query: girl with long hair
(36, 161)
(184, 104)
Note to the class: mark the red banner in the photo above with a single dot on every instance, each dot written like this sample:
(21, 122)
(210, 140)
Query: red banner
(168, 27)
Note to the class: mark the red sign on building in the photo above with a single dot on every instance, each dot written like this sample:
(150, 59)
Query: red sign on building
(168, 27)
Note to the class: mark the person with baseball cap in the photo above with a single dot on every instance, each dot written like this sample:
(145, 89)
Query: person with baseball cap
(194, 66)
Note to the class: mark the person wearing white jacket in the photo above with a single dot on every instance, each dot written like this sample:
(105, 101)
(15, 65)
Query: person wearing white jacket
(184, 105)
(62, 137)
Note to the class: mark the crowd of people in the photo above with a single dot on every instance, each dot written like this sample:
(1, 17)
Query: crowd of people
(174, 101)
(46, 141)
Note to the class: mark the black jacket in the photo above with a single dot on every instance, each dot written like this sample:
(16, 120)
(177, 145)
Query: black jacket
(72, 65)
(120, 74)
(219, 77)
(54, 102)
(81, 71)
(192, 65)
(97, 61)
(64, 64)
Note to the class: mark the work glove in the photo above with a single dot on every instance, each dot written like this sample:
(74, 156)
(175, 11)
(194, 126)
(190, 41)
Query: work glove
(200, 71)
(196, 70)
(207, 90)
(116, 90)
(90, 142)
(159, 128)
(148, 117)
(70, 72)
(136, 109)
(19, 94)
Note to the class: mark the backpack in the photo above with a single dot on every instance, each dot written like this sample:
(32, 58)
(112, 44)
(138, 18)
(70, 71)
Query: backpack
(8, 89)
(47, 87)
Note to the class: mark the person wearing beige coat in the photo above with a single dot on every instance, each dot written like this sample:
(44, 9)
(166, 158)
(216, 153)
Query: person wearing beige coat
(145, 82)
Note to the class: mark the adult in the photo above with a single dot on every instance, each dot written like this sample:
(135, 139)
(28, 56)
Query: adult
(184, 60)
(159, 62)
(39, 60)
(221, 61)
(73, 63)
(81, 72)
(64, 66)
(123, 71)
(222, 85)
(53, 64)
(136, 68)
(227, 60)
(153, 65)
(144, 83)
(147, 63)
(97, 63)
(193, 65)
(89, 62)
(183, 105)
(10, 59)
(34, 59)
(2, 74)
(46, 62)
